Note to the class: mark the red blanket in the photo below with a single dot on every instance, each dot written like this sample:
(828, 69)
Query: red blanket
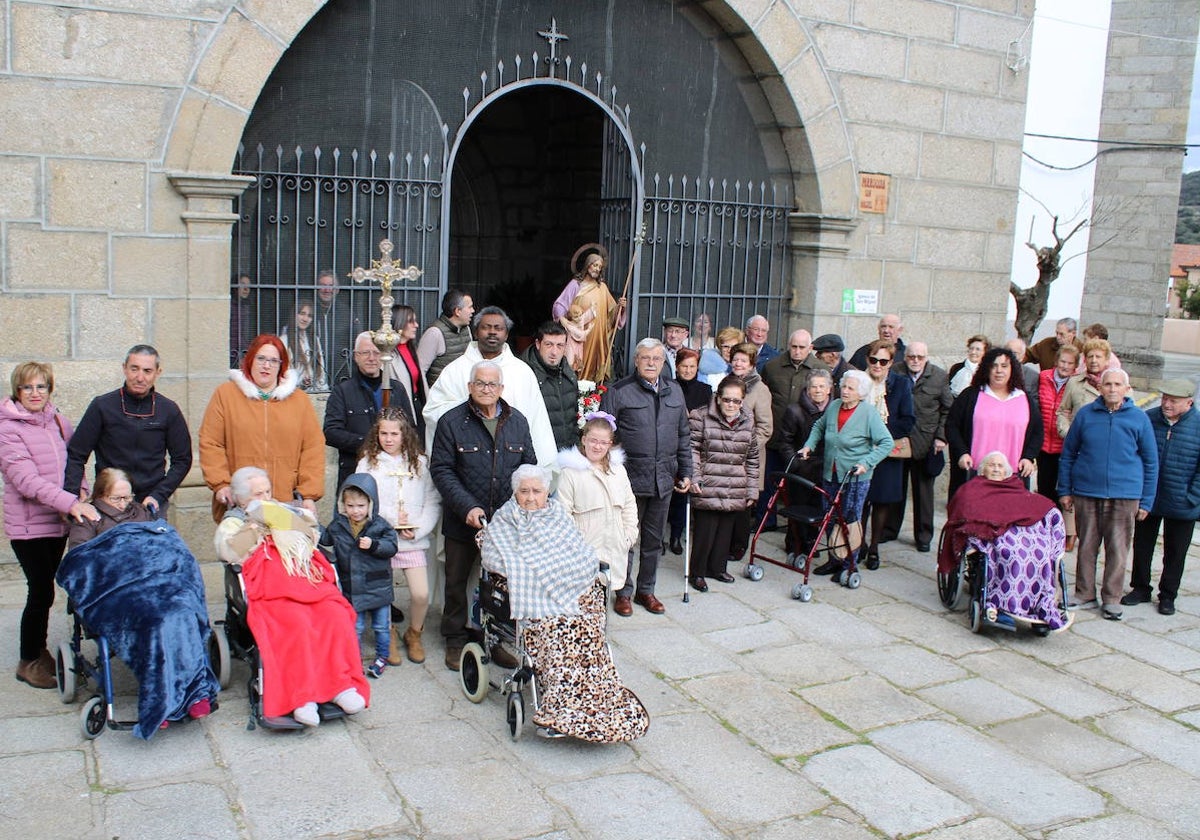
(986, 509)
(304, 632)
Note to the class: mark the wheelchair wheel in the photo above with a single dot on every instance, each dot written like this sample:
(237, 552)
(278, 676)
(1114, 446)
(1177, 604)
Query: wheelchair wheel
(218, 654)
(975, 616)
(93, 718)
(64, 665)
(853, 580)
(754, 572)
(473, 673)
(802, 592)
(1042, 630)
(516, 714)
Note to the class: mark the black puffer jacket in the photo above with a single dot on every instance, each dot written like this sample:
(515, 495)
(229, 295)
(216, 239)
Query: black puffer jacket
(349, 415)
(470, 469)
(725, 457)
(365, 575)
(654, 432)
(797, 424)
(560, 390)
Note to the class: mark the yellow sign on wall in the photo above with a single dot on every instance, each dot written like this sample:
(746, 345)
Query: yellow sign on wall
(873, 192)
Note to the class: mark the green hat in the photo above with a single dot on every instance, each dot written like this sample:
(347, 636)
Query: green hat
(1183, 388)
(676, 322)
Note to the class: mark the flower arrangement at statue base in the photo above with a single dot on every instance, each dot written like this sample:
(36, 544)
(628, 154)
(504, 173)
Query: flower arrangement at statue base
(589, 398)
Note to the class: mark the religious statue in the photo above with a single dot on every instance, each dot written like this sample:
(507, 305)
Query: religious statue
(588, 290)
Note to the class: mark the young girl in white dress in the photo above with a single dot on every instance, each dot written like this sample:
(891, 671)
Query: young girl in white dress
(391, 453)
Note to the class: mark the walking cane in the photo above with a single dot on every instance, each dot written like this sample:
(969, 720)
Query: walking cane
(687, 546)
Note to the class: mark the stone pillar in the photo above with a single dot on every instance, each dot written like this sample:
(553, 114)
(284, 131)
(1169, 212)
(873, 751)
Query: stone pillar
(1147, 87)
(819, 244)
(206, 322)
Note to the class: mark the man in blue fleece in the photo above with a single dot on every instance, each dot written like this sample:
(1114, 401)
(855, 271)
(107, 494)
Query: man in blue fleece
(1107, 474)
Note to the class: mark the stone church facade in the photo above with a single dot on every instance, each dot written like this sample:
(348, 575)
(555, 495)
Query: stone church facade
(122, 127)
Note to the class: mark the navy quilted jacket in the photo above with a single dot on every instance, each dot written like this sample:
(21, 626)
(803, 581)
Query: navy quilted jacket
(1178, 465)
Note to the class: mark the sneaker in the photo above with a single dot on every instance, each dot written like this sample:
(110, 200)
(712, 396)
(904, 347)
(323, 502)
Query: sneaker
(307, 715)
(1166, 606)
(1111, 613)
(1134, 597)
(350, 701)
(375, 669)
(199, 709)
(1076, 604)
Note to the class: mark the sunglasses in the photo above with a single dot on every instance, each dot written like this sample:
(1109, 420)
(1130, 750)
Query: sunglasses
(876, 360)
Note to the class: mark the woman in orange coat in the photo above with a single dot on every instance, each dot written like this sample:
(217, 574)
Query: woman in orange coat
(261, 418)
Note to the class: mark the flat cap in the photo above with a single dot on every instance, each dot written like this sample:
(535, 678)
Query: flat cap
(1184, 388)
(676, 322)
(827, 342)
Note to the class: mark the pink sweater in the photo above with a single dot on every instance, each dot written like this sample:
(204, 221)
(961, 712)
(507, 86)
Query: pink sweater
(33, 457)
(999, 426)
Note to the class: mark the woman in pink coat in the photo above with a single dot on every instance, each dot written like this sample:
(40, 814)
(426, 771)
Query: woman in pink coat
(33, 456)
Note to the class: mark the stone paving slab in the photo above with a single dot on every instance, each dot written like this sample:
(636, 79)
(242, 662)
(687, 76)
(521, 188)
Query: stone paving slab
(1131, 641)
(1055, 650)
(942, 633)
(986, 828)
(188, 810)
(828, 625)
(813, 828)
(735, 788)
(799, 665)
(1064, 693)
(1071, 749)
(777, 721)
(762, 635)
(632, 805)
(1119, 827)
(1157, 736)
(1158, 792)
(46, 795)
(982, 770)
(978, 702)
(716, 609)
(891, 797)
(671, 650)
(917, 589)
(867, 702)
(907, 666)
(1152, 686)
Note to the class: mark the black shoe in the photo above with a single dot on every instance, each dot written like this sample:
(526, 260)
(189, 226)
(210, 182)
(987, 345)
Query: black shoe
(829, 567)
(1166, 606)
(1134, 597)
(676, 546)
(725, 577)
(699, 584)
(397, 615)
(872, 559)
(923, 548)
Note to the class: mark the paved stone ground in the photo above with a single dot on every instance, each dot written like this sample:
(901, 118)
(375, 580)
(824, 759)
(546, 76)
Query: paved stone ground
(863, 714)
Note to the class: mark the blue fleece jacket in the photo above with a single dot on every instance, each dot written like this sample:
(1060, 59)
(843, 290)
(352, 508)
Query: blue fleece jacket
(1110, 455)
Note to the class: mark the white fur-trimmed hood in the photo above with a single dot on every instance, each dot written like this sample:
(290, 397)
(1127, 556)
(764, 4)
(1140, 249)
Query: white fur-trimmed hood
(285, 388)
(572, 459)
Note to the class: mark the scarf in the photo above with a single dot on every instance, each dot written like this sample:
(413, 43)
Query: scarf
(543, 555)
(986, 509)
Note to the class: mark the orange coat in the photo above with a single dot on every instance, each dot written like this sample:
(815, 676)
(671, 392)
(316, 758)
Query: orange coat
(281, 435)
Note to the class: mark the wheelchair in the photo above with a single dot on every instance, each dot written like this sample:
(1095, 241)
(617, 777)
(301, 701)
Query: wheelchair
(231, 638)
(478, 673)
(966, 585)
(75, 670)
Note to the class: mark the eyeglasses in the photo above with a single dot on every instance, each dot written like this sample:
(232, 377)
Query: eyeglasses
(876, 360)
(730, 400)
(269, 361)
(592, 441)
(119, 500)
(368, 354)
(487, 386)
(914, 356)
(40, 387)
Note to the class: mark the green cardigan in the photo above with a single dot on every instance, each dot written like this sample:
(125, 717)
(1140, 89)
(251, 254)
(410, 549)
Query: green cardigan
(863, 440)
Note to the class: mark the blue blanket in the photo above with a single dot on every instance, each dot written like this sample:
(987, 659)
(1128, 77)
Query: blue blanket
(139, 586)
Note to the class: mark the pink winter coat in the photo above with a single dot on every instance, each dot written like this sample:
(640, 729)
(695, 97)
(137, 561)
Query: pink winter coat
(33, 458)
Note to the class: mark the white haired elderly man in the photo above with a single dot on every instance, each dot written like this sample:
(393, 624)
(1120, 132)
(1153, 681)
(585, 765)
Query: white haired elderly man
(758, 329)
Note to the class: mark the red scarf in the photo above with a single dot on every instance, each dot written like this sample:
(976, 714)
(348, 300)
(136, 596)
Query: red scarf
(986, 509)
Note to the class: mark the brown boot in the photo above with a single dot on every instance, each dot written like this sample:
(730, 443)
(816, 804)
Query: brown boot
(395, 657)
(47, 662)
(31, 671)
(412, 641)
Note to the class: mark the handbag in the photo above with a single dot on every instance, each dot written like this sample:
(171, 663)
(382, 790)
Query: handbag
(902, 448)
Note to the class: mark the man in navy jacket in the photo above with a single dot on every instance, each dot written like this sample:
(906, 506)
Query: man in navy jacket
(1108, 473)
(1176, 425)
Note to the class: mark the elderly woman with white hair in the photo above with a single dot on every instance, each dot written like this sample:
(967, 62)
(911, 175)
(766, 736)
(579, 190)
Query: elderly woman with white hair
(558, 598)
(856, 441)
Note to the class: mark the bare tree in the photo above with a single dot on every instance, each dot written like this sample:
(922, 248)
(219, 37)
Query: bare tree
(1032, 303)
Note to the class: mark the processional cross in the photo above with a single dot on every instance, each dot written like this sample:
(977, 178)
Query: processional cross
(553, 35)
(385, 272)
(400, 475)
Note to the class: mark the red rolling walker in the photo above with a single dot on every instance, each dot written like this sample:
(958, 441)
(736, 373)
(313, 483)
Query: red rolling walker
(832, 529)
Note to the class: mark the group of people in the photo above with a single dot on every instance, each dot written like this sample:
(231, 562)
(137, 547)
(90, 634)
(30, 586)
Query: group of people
(699, 425)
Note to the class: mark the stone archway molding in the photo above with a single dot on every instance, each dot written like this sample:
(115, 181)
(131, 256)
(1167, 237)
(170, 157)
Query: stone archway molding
(254, 34)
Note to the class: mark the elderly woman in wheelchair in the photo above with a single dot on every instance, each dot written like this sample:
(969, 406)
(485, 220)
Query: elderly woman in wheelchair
(542, 585)
(1001, 548)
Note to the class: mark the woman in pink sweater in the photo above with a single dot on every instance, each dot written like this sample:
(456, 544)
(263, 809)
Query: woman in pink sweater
(33, 456)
